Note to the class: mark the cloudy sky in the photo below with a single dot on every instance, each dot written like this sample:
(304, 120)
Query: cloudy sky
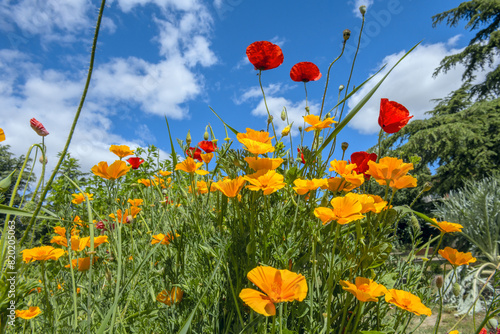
(175, 58)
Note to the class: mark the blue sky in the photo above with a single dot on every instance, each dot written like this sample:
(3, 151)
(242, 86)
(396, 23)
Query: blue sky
(178, 57)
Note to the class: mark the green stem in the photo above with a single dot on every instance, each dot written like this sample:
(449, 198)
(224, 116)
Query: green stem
(73, 126)
(265, 103)
(328, 78)
(438, 319)
(281, 318)
(330, 275)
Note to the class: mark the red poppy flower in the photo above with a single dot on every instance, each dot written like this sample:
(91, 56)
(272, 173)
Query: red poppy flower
(135, 162)
(100, 225)
(305, 72)
(194, 153)
(207, 146)
(393, 116)
(361, 160)
(264, 55)
(38, 127)
(301, 155)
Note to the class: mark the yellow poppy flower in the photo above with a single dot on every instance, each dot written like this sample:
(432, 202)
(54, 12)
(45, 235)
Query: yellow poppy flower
(121, 151)
(59, 240)
(345, 210)
(170, 298)
(278, 286)
(304, 186)
(341, 167)
(145, 182)
(79, 198)
(407, 301)
(267, 181)
(135, 201)
(98, 240)
(42, 253)
(2, 135)
(256, 147)
(201, 187)
(190, 166)
(405, 181)
(164, 173)
(116, 170)
(259, 164)
(286, 130)
(446, 227)
(388, 169)
(83, 263)
(229, 187)
(316, 123)
(258, 136)
(455, 257)
(364, 289)
(30, 313)
(206, 157)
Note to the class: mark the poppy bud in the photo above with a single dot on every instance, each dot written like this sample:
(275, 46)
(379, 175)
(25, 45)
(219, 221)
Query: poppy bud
(493, 323)
(346, 34)
(43, 161)
(129, 219)
(270, 119)
(456, 289)
(414, 223)
(362, 10)
(300, 129)
(344, 146)
(427, 186)
(283, 115)
(341, 88)
(439, 281)
(307, 109)
(328, 115)
(188, 138)
(250, 249)
(205, 135)
(286, 130)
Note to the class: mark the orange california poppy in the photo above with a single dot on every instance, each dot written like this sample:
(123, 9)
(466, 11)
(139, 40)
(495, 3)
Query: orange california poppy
(259, 136)
(206, 157)
(42, 253)
(116, 170)
(266, 180)
(446, 227)
(2, 135)
(83, 263)
(364, 289)
(230, 187)
(278, 286)
(264, 55)
(256, 147)
(164, 239)
(316, 123)
(405, 181)
(121, 151)
(80, 198)
(135, 201)
(387, 169)
(407, 301)
(341, 167)
(305, 71)
(457, 258)
(30, 313)
(304, 186)
(191, 166)
(393, 116)
(164, 173)
(266, 163)
(60, 230)
(170, 298)
(345, 210)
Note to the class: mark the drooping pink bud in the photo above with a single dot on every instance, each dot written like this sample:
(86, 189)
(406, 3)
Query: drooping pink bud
(38, 127)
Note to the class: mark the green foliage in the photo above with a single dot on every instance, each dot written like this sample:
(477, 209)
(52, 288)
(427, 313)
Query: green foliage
(482, 49)
(477, 208)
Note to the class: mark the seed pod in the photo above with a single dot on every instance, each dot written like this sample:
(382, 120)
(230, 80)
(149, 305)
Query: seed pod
(439, 281)
(346, 34)
(362, 10)
(341, 88)
(43, 161)
(344, 146)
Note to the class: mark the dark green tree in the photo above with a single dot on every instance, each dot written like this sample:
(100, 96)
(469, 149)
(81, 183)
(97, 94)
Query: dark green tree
(483, 50)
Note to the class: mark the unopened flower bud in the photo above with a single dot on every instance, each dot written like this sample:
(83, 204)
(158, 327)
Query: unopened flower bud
(307, 109)
(493, 323)
(346, 34)
(328, 115)
(43, 161)
(439, 281)
(344, 146)
(300, 129)
(283, 115)
(362, 10)
(427, 186)
(188, 138)
(129, 219)
(286, 130)
(414, 223)
(270, 119)
(341, 88)
(456, 289)
(205, 135)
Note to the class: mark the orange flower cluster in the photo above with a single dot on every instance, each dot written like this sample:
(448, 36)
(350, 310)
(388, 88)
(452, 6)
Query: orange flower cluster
(392, 171)
(345, 210)
(256, 142)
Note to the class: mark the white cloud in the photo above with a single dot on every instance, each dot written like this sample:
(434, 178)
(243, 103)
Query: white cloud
(256, 92)
(358, 3)
(185, 5)
(411, 83)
